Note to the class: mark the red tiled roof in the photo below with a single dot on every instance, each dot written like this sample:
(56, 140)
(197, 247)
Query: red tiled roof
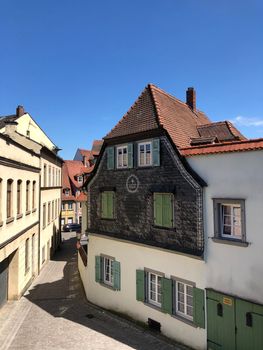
(70, 170)
(96, 147)
(234, 146)
(85, 153)
(224, 131)
(155, 108)
(82, 197)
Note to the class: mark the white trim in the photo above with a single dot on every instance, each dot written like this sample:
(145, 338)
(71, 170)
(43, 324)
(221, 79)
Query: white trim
(184, 293)
(110, 273)
(155, 290)
(122, 156)
(138, 153)
(231, 235)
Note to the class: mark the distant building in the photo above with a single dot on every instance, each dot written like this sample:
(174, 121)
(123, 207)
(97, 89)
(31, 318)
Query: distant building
(175, 224)
(30, 201)
(74, 173)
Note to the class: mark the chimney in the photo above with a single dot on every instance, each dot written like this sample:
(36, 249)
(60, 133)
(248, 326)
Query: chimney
(10, 127)
(20, 111)
(191, 98)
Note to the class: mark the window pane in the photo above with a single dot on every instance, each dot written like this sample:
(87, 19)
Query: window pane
(189, 300)
(237, 230)
(189, 311)
(227, 230)
(180, 307)
(180, 297)
(180, 287)
(227, 220)
(227, 209)
(189, 290)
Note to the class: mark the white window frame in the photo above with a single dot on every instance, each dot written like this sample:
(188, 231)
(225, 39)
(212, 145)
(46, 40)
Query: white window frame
(70, 206)
(66, 192)
(120, 165)
(183, 314)
(108, 273)
(150, 290)
(145, 143)
(232, 206)
(80, 179)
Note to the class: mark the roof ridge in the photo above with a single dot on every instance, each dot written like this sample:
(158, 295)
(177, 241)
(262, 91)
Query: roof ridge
(156, 104)
(212, 123)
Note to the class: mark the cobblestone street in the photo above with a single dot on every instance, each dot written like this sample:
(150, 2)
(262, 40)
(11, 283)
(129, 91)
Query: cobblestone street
(54, 314)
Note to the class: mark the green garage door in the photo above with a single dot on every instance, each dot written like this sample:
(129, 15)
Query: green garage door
(220, 321)
(233, 324)
(3, 281)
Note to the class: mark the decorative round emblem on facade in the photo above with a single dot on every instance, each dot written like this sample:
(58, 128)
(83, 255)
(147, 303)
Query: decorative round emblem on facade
(132, 183)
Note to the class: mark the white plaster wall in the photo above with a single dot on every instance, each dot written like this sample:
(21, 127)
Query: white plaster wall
(83, 271)
(11, 151)
(233, 269)
(46, 233)
(26, 123)
(132, 257)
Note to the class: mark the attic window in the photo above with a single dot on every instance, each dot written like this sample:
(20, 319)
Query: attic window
(79, 179)
(66, 192)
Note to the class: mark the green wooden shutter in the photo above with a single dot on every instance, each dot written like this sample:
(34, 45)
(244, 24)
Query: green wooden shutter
(110, 205)
(156, 152)
(167, 298)
(116, 275)
(110, 158)
(157, 203)
(130, 155)
(140, 285)
(97, 268)
(167, 209)
(199, 307)
(104, 207)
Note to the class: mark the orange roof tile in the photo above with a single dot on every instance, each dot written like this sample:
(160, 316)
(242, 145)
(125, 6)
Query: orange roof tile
(234, 146)
(155, 108)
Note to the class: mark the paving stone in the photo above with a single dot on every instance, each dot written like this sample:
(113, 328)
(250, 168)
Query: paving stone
(53, 315)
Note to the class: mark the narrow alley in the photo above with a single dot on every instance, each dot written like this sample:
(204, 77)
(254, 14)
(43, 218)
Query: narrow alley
(54, 314)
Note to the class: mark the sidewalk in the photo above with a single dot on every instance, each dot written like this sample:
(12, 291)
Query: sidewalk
(54, 314)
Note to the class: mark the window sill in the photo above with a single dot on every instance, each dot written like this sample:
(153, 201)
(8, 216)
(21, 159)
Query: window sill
(230, 242)
(19, 216)
(28, 212)
(164, 228)
(155, 307)
(11, 219)
(108, 219)
(107, 286)
(34, 210)
(185, 320)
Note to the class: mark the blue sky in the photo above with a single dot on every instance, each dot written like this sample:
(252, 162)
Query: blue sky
(78, 65)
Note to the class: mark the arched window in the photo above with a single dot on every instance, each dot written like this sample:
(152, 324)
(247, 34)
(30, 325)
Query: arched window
(27, 194)
(9, 198)
(45, 175)
(34, 195)
(19, 197)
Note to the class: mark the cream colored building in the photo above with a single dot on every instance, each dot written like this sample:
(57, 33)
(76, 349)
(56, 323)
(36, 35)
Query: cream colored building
(30, 201)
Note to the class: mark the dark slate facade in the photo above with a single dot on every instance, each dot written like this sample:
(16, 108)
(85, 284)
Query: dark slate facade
(134, 219)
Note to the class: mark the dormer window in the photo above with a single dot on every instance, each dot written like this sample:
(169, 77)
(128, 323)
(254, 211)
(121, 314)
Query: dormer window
(66, 192)
(79, 179)
(122, 157)
(145, 153)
